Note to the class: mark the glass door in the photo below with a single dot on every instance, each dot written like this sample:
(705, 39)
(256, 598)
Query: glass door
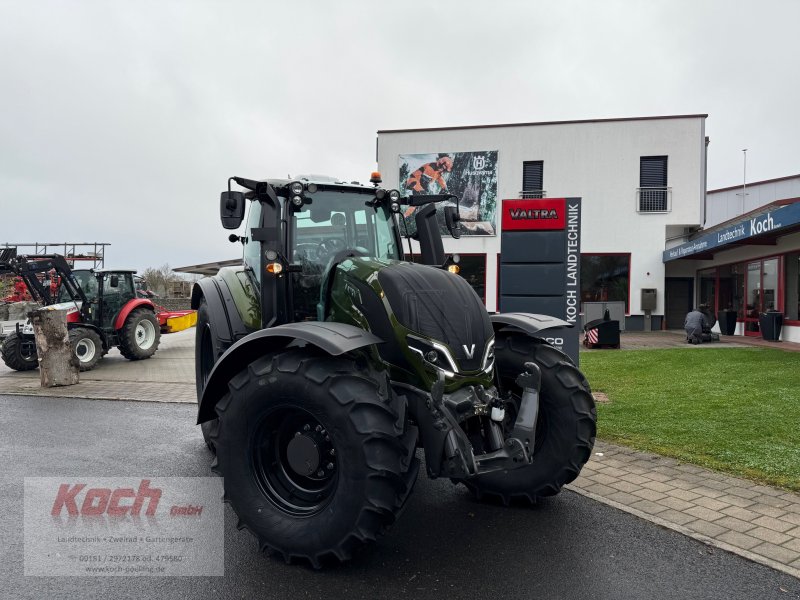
(753, 299)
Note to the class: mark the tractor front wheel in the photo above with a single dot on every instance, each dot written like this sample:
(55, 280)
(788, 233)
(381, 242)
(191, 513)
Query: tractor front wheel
(316, 453)
(565, 428)
(203, 364)
(140, 335)
(87, 346)
(19, 353)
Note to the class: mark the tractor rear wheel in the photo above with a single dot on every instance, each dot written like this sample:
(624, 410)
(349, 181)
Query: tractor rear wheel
(203, 364)
(19, 353)
(565, 428)
(140, 335)
(316, 453)
(87, 346)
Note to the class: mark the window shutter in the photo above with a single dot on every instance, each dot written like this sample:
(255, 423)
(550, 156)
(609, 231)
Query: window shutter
(653, 171)
(532, 178)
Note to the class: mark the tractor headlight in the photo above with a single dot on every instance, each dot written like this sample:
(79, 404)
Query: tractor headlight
(488, 356)
(296, 188)
(433, 354)
(297, 201)
(395, 207)
(394, 196)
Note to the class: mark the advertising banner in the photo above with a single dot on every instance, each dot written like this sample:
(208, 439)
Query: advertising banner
(472, 176)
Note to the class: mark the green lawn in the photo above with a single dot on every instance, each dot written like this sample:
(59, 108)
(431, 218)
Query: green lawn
(732, 409)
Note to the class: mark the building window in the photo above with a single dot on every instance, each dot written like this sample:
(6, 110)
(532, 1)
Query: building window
(653, 193)
(532, 179)
(605, 278)
(472, 267)
(792, 292)
(708, 288)
(731, 288)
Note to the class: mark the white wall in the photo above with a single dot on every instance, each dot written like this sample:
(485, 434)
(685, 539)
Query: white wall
(597, 161)
(727, 204)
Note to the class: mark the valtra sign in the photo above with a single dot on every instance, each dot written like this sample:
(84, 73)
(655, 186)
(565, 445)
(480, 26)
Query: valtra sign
(534, 214)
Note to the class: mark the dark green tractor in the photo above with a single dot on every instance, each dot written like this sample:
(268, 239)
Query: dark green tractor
(326, 360)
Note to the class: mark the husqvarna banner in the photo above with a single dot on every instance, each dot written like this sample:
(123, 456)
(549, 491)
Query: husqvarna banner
(540, 264)
(472, 176)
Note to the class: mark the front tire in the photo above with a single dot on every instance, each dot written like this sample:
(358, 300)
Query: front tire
(19, 353)
(140, 335)
(87, 346)
(316, 454)
(203, 364)
(566, 425)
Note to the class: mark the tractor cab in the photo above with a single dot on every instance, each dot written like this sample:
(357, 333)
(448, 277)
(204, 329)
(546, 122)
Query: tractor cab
(106, 291)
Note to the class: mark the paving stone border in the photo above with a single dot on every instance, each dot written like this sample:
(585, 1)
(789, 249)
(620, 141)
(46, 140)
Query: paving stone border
(758, 522)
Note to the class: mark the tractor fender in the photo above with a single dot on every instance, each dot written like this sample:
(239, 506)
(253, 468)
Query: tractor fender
(333, 338)
(530, 323)
(130, 306)
(226, 323)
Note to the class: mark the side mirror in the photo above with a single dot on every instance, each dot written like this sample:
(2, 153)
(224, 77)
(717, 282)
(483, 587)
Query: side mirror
(231, 209)
(114, 282)
(451, 219)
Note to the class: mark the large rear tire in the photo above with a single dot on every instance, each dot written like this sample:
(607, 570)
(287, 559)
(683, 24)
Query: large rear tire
(566, 424)
(140, 335)
(19, 353)
(87, 346)
(204, 360)
(316, 454)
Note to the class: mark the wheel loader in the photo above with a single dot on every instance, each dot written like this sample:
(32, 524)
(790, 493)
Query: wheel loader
(329, 358)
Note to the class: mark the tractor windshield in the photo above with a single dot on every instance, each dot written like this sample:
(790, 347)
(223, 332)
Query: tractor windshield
(86, 280)
(332, 222)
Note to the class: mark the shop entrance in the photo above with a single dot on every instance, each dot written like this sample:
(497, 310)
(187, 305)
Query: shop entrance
(761, 285)
(679, 292)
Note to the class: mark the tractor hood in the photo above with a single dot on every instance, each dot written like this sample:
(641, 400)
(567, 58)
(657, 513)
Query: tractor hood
(428, 318)
(441, 306)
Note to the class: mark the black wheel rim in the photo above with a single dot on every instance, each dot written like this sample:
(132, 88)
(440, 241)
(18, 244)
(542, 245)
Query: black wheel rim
(294, 460)
(27, 350)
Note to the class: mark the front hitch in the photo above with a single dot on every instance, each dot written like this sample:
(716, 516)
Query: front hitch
(448, 450)
(517, 450)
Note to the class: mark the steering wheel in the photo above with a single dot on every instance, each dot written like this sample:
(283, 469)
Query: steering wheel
(331, 246)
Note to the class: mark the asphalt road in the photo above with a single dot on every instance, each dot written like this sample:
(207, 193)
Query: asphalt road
(446, 545)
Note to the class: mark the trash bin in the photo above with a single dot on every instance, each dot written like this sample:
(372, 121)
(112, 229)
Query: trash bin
(601, 333)
(771, 323)
(727, 322)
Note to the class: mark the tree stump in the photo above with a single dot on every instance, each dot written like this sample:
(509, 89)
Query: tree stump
(58, 364)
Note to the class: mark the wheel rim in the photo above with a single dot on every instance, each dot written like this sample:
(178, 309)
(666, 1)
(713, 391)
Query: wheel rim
(295, 461)
(85, 350)
(27, 350)
(145, 334)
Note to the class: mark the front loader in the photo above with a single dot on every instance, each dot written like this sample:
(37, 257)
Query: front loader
(326, 360)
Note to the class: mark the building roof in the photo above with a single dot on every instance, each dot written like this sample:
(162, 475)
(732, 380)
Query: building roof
(209, 268)
(654, 118)
(752, 183)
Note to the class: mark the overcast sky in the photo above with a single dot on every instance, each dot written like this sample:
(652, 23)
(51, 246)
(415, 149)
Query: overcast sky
(121, 121)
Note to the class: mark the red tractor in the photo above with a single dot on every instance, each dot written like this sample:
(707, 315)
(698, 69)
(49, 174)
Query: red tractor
(103, 311)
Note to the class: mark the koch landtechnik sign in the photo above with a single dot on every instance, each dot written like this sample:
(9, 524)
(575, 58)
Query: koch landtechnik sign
(780, 218)
(540, 264)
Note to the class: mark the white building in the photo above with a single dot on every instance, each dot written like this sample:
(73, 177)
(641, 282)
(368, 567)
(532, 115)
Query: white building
(747, 259)
(642, 181)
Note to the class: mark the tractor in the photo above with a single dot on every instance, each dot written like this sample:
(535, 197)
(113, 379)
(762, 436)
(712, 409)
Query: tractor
(325, 360)
(102, 306)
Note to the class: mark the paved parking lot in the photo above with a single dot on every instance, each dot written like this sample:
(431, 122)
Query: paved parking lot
(756, 522)
(166, 377)
(445, 544)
